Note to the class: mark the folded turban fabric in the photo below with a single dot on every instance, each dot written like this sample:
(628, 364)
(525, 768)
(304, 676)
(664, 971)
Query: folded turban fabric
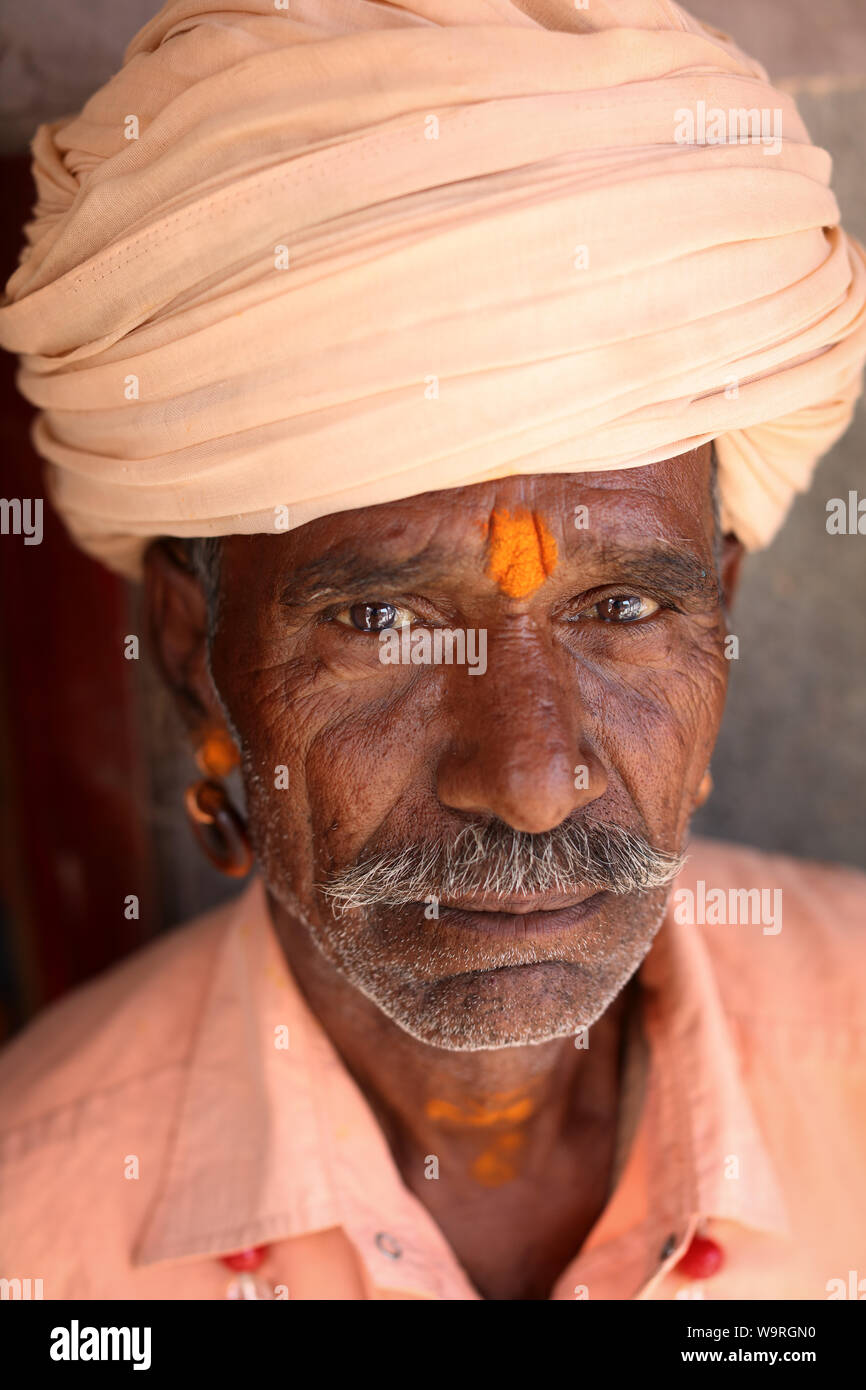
(323, 254)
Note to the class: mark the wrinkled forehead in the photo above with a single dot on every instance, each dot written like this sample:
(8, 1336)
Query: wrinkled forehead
(544, 519)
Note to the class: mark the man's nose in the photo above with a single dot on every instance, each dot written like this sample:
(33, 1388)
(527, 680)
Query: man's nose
(519, 750)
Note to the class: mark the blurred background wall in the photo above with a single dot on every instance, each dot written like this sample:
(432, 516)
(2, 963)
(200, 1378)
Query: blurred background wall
(92, 766)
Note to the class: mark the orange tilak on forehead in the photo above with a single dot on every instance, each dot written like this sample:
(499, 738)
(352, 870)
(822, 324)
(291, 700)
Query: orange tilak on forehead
(521, 552)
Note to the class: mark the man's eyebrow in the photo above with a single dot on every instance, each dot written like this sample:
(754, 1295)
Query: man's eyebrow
(662, 565)
(349, 572)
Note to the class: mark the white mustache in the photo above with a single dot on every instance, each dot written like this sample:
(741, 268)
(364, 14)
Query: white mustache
(492, 858)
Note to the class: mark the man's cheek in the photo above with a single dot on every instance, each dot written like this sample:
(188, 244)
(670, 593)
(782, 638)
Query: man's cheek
(700, 700)
(356, 776)
(696, 697)
(272, 735)
(655, 728)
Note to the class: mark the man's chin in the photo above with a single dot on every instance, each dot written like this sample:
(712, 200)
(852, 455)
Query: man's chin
(514, 1006)
(467, 990)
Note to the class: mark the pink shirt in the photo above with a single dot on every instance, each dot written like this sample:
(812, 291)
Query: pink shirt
(153, 1121)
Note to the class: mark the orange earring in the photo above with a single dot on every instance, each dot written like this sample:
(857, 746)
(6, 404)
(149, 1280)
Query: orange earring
(216, 753)
(704, 789)
(218, 828)
(216, 824)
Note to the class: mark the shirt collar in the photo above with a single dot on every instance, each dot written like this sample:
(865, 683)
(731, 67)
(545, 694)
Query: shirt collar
(274, 1139)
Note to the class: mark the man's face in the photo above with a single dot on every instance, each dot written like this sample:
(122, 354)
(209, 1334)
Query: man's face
(599, 702)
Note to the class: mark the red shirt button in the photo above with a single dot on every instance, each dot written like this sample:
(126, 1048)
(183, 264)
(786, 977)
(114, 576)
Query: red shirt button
(245, 1261)
(702, 1260)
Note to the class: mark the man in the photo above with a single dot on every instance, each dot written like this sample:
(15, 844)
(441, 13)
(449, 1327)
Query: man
(439, 495)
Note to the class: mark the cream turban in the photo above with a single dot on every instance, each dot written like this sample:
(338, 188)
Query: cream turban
(322, 254)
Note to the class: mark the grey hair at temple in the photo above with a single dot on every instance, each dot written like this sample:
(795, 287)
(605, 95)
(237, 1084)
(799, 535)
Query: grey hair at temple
(204, 554)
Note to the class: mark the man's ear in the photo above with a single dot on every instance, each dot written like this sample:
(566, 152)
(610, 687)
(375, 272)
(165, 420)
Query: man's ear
(729, 568)
(177, 620)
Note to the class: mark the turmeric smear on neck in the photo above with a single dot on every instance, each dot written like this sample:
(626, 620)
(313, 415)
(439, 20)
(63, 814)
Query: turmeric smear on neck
(522, 553)
(511, 1108)
(493, 1167)
(504, 1111)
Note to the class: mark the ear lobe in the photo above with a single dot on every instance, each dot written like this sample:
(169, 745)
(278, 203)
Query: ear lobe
(733, 552)
(177, 624)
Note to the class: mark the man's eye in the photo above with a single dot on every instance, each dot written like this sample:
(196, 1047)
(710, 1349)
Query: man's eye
(620, 608)
(374, 617)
